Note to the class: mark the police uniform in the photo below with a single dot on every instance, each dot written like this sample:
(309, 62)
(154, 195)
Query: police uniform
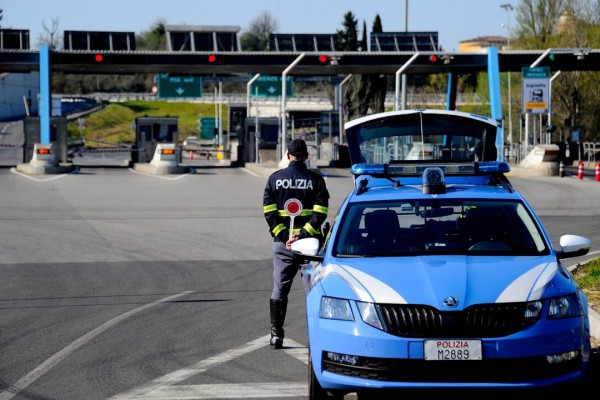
(308, 187)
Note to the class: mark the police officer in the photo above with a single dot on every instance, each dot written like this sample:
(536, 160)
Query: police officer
(308, 187)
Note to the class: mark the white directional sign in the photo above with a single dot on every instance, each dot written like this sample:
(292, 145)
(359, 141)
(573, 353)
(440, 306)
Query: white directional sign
(536, 89)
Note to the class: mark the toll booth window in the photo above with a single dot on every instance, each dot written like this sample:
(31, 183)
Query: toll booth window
(164, 133)
(269, 136)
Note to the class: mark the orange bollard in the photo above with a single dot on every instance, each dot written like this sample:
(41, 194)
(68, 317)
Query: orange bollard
(597, 172)
(580, 170)
(561, 169)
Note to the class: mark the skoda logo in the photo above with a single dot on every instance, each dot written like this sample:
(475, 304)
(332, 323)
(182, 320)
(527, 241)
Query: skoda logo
(450, 301)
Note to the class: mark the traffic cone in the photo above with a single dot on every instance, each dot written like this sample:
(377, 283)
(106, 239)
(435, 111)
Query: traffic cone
(561, 169)
(580, 170)
(597, 172)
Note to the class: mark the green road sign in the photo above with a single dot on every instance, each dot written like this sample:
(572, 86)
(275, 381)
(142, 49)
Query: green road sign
(208, 127)
(536, 72)
(170, 86)
(270, 86)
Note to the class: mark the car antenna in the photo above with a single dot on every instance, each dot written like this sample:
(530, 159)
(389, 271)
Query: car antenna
(362, 186)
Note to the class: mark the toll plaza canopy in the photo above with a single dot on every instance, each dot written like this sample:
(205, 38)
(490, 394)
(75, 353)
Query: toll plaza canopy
(224, 63)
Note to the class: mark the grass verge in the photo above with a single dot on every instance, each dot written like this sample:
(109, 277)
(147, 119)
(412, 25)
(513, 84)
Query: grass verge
(587, 277)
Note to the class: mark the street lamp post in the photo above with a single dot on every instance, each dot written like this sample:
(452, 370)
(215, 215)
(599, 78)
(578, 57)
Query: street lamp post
(508, 7)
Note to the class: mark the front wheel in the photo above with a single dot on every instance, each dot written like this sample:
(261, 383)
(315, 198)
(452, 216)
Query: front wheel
(315, 391)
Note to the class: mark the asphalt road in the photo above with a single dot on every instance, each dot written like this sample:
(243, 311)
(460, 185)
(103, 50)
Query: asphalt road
(118, 285)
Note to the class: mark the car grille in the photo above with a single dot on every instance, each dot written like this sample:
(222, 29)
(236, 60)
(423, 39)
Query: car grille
(490, 370)
(477, 321)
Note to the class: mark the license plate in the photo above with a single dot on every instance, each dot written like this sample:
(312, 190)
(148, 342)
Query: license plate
(455, 349)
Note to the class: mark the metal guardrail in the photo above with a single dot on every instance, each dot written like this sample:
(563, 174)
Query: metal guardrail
(590, 149)
(515, 153)
(419, 98)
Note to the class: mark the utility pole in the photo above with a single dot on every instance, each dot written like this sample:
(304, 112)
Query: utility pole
(508, 7)
(404, 78)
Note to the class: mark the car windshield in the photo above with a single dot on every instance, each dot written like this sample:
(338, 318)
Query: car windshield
(422, 137)
(438, 226)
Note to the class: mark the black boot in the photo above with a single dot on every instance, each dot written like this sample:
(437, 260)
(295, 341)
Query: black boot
(278, 309)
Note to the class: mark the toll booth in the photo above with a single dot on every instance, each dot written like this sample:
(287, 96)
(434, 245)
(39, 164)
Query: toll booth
(58, 136)
(149, 131)
(261, 142)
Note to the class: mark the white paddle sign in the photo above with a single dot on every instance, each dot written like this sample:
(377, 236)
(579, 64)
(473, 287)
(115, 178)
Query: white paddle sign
(293, 207)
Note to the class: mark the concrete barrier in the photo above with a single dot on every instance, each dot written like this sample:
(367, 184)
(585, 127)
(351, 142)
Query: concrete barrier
(542, 160)
(165, 161)
(43, 161)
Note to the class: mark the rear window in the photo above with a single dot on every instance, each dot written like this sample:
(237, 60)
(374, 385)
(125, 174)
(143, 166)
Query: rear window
(422, 137)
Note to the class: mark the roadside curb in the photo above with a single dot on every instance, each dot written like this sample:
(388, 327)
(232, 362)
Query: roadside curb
(594, 323)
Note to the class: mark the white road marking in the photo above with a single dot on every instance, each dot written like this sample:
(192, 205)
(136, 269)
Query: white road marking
(275, 390)
(46, 177)
(41, 369)
(296, 350)
(166, 386)
(251, 172)
(174, 177)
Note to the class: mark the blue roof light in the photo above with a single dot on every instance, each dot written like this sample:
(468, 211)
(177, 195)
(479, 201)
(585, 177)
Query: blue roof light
(368, 169)
(493, 166)
(433, 181)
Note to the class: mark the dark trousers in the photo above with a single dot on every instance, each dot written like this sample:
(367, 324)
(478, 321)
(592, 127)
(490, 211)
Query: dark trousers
(285, 268)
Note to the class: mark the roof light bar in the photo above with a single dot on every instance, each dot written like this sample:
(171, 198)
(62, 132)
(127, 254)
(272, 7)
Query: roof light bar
(493, 166)
(387, 170)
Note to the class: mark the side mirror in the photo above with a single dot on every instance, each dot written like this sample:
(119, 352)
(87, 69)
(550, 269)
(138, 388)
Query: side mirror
(573, 246)
(307, 249)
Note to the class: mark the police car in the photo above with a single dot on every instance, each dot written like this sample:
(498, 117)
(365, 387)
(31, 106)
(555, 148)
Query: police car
(437, 273)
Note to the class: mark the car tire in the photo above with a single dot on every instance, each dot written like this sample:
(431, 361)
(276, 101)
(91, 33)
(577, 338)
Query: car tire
(315, 391)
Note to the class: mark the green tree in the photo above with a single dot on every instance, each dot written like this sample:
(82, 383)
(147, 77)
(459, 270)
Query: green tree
(347, 38)
(356, 101)
(364, 46)
(256, 38)
(376, 83)
(564, 24)
(153, 39)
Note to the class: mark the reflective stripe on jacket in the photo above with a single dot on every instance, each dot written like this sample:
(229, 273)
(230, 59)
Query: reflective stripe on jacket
(308, 187)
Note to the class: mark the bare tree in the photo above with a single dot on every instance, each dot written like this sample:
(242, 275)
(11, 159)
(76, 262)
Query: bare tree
(50, 35)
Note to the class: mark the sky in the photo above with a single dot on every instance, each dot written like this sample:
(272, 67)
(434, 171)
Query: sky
(454, 20)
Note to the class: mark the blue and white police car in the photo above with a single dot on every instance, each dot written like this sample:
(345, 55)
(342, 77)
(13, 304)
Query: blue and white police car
(436, 272)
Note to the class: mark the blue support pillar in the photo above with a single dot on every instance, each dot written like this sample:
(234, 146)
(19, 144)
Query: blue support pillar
(45, 102)
(496, 98)
(451, 94)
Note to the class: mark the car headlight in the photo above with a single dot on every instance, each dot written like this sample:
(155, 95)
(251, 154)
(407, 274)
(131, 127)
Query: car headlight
(533, 310)
(333, 308)
(564, 307)
(369, 314)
